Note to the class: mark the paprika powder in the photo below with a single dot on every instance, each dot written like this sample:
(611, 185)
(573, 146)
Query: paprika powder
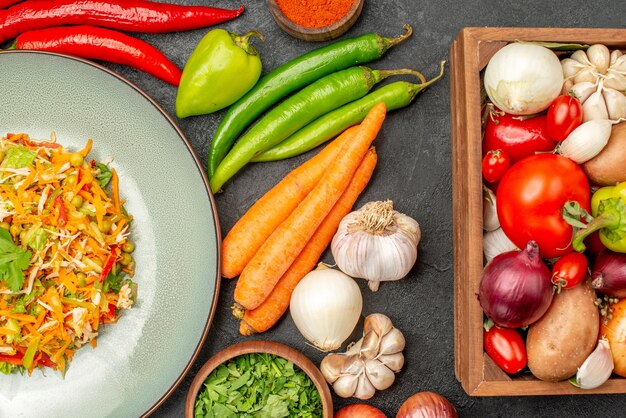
(314, 13)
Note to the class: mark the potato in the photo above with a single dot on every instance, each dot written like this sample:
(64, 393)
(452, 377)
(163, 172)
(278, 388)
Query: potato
(564, 337)
(609, 167)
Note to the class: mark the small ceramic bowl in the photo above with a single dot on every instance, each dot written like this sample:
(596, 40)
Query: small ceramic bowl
(260, 346)
(325, 33)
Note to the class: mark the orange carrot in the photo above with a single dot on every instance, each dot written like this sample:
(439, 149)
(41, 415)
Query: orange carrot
(264, 316)
(274, 207)
(275, 256)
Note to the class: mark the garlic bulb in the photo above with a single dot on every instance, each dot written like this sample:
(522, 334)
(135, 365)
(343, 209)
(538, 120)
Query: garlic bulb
(496, 242)
(597, 78)
(369, 364)
(376, 243)
(597, 368)
(326, 306)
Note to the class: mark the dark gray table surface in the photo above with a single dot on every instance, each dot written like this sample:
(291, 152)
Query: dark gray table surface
(414, 170)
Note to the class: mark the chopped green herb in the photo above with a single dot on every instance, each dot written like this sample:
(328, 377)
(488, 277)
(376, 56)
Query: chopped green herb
(13, 261)
(258, 385)
(104, 177)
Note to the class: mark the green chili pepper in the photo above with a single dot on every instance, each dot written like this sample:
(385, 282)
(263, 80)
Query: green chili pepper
(222, 68)
(308, 104)
(395, 95)
(608, 206)
(291, 76)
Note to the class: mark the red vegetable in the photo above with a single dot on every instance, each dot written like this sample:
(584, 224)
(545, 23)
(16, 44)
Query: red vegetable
(102, 44)
(518, 136)
(359, 410)
(531, 197)
(564, 115)
(569, 271)
(495, 164)
(15, 359)
(62, 220)
(515, 288)
(108, 266)
(126, 15)
(6, 3)
(609, 274)
(505, 347)
(427, 405)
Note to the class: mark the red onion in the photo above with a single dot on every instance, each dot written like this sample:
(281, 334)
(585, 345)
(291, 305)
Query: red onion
(609, 274)
(515, 288)
(427, 405)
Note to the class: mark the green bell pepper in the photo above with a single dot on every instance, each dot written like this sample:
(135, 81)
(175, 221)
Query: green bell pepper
(608, 206)
(220, 70)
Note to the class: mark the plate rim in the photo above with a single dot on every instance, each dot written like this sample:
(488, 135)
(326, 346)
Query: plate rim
(205, 181)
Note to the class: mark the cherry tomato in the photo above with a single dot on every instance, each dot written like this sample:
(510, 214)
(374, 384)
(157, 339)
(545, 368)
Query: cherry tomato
(506, 347)
(531, 196)
(518, 136)
(495, 164)
(564, 115)
(569, 271)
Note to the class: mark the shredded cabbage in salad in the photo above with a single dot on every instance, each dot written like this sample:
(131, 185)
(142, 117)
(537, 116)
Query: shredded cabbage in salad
(65, 257)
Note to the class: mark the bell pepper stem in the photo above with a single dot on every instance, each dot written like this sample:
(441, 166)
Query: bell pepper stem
(244, 41)
(606, 220)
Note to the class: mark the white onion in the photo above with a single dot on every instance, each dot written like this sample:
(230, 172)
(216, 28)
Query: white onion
(523, 79)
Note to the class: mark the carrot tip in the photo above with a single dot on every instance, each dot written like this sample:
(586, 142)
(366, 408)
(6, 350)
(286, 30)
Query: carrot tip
(238, 310)
(246, 329)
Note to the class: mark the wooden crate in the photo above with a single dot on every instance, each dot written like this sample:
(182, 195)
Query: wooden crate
(469, 54)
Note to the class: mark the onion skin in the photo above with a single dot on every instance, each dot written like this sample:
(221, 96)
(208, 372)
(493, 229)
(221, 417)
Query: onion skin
(427, 405)
(609, 274)
(615, 331)
(515, 288)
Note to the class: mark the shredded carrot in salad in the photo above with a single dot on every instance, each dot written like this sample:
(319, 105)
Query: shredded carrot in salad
(65, 257)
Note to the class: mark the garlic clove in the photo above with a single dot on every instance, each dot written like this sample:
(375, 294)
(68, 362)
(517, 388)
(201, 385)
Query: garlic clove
(583, 90)
(594, 107)
(600, 57)
(567, 86)
(353, 365)
(581, 57)
(379, 323)
(615, 103)
(620, 64)
(364, 388)
(570, 67)
(392, 361)
(393, 342)
(354, 348)
(495, 243)
(614, 56)
(586, 74)
(490, 213)
(597, 368)
(331, 366)
(378, 374)
(346, 385)
(586, 141)
(370, 345)
(615, 80)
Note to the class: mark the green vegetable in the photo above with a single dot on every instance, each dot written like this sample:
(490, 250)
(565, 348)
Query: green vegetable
(608, 206)
(7, 368)
(19, 157)
(258, 385)
(13, 261)
(36, 238)
(395, 95)
(222, 68)
(29, 355)
(291, 76)
(104, 177)
(313, 101)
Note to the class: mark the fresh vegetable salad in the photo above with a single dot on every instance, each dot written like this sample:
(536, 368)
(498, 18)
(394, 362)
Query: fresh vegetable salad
(65, 256)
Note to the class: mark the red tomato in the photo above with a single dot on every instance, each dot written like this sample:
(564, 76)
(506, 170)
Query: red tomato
(564, 115)
(506, 347)
(359, 410)
(569, 271)
(531, 196)
(517, 136)
(495, 164)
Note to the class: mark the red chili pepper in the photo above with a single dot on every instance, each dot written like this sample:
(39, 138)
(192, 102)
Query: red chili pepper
(42, 359)
(126, 15)
(101, 44)
(6, 3)
(109, 263)
(15, 359)
(62, 212)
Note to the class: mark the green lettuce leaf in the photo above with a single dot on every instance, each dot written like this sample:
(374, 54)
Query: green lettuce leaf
(19, 157)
